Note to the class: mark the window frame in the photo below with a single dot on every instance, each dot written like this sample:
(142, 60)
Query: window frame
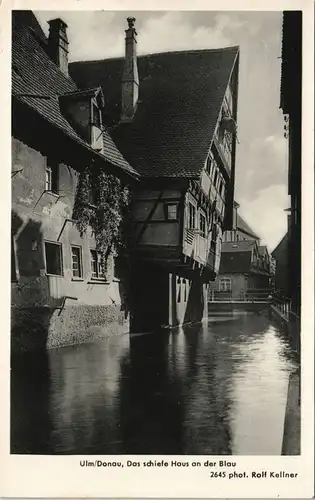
(95, 107)
(166, 208)
(215, 177)
(190, 204)
(79, 248)
(98, 277)
(203, 231)
(52, 171)
(225, 288)
(210, 162)
(59, 245)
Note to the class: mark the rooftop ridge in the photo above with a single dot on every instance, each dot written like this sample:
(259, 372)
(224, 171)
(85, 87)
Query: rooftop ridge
(173, 52)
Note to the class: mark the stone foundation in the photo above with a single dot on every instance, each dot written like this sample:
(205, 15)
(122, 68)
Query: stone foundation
(37, 328)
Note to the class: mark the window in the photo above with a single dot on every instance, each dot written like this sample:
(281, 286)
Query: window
(220, 185)
(229, 99)
(53, 258)
(214, 168)
(222, 189)
(225, 284)
(215, 177)
(92, 195)
(191, 216)
(171, 211)
(96, 116)
(227, 145)
(179, 290)
(209, 163)
(97, 265)
(52, 176)
(76, 253)
(202, 225)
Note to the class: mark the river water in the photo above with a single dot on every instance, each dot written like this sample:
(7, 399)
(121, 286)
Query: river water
(213, 389)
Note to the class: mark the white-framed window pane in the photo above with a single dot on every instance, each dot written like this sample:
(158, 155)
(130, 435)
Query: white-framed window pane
(225, 285)
(96, 115)
(52, 175)
(53, 258)
(97, 265)
(76, 262)
(202, 225)
(93, 263)
(171, 211)
(191, 216)
(48, 179)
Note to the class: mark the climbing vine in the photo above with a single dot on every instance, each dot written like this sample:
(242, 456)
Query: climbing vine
(102, 203)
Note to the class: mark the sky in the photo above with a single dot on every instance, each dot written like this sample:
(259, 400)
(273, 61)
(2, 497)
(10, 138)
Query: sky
(261, 156)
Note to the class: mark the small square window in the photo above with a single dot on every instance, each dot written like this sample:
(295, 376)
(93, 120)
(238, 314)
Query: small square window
(76, 253)
(171, 211)
(225, 285)
(53, 258)
(97, 265)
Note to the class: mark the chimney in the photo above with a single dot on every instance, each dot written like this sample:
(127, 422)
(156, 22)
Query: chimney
(58, 44)
(130, 78)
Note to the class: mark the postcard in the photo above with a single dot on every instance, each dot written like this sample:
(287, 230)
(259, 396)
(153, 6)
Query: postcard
(158, 329)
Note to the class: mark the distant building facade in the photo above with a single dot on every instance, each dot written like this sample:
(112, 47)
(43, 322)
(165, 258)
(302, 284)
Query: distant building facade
(280, 254)
(240, 230)
(245, 264)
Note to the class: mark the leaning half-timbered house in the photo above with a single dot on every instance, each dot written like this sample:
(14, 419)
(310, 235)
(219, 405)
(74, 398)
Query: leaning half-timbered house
(173, 115)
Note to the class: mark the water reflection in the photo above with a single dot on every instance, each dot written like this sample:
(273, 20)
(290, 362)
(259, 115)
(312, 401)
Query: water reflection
(214, 389)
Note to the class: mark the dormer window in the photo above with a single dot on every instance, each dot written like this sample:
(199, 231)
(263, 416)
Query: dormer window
(83, 110)
(96, 126)
(96, 116)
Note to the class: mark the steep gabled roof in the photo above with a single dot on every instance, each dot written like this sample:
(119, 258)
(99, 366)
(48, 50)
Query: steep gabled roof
(243, 226)
(281, 247)
(263, 250)
(38, 83)
(180, 97)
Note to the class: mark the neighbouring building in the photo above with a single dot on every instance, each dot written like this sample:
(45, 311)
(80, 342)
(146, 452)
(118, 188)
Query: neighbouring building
(173, 116)
(244, 271)
(291, 103)
(162, 126)
(61, 292)
(280, 254)
(245, 264)
(240, 230)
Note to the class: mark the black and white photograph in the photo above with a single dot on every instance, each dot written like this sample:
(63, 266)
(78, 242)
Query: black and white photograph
(160, 260)
(156, 233)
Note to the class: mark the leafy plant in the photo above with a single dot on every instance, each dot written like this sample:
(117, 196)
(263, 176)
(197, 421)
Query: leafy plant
(102, 203)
